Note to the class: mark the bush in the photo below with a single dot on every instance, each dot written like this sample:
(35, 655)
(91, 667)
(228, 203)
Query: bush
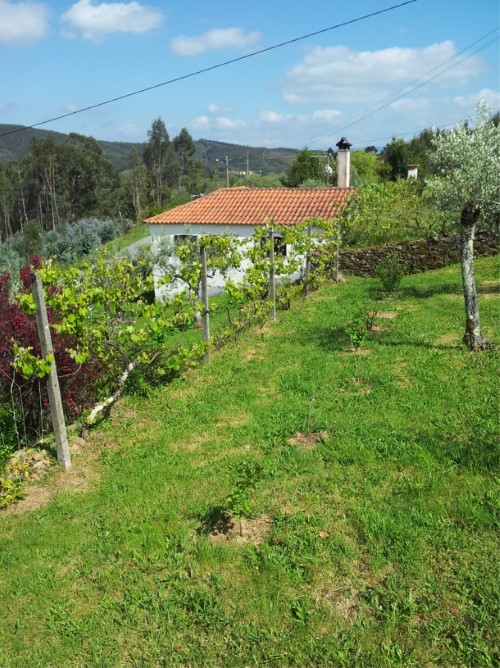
(11, 262)
(390, 272)
(79, 383)
(360, 324)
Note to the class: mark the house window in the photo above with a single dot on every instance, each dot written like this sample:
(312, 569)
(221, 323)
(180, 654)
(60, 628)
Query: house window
(279, 245)
(183, 239)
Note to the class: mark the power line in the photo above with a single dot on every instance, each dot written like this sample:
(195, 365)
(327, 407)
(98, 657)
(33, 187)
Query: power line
(393, 99)
(209, 69)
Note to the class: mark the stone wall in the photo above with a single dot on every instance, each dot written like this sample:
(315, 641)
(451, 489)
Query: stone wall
(417, 256)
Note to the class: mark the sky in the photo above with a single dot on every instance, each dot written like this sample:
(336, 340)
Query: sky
(389, 75)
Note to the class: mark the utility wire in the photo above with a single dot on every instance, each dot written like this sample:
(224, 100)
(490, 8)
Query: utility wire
(209, 69)
(393, 99)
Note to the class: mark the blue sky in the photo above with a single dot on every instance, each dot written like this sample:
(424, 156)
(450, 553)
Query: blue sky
(60, 56)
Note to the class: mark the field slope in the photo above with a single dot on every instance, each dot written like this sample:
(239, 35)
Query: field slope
(364, 483)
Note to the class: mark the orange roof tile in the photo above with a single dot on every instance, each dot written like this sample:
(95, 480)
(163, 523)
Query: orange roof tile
(257, 206)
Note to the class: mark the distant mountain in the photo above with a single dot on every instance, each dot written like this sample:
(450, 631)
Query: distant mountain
(211, 154)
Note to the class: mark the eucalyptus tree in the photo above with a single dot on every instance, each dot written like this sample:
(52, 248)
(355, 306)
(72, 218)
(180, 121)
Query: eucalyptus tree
(184, 148)
(160, 161)
(467, 183)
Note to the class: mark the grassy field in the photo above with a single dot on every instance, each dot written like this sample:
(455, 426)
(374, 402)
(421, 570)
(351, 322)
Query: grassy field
(136, 233)
(365, 484)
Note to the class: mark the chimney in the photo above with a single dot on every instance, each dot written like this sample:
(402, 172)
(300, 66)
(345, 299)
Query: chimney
(412, 171)
(343, 163)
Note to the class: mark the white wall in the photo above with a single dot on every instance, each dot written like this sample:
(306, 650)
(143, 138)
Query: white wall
(216, 283)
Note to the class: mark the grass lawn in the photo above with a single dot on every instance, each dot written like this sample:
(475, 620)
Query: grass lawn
(368, 485)
(136, 233)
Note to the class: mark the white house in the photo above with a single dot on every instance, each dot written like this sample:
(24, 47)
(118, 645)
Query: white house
(239, 212)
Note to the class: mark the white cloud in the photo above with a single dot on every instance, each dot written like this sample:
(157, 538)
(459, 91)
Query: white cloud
(95, 22)
(491, 97)
(273, 117)
(326, 114)
(339, 74)
(214, 40)
(226, 123)
(201, 122)
(317, 117)
(22, 22)
(204, 123)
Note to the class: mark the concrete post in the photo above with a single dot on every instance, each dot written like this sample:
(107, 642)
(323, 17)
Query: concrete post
(204, 299)
(55, 401)
(272, 276)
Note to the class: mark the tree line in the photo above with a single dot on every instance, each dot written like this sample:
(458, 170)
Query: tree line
(61, 182)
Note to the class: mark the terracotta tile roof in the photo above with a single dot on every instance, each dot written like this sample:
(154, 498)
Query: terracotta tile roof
(257, 206)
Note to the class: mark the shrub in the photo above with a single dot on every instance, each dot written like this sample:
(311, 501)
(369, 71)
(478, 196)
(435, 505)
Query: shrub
(390, 272)
(79, 383)
(360, 324)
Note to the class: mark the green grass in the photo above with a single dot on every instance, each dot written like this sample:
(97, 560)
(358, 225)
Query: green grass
(382, 547)
(136, 233)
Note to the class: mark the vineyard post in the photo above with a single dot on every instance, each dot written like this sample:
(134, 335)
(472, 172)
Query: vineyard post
(55, 401)
(337, 252)
(308, 262)
(272, 278)
(204, 299)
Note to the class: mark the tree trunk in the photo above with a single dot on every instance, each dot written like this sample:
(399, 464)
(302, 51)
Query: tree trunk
(472, 337)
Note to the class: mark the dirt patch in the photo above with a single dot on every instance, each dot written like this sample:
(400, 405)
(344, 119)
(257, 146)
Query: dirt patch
(307, 441)
(248, 355)
(233, 452)
(341, 597)
(362, 352)
(387, 315)
(82, 477)
(378, 328)
(356, 386)
(232, 420)
(402, 379)
(448, 339)
(193, 443)
(241, 530)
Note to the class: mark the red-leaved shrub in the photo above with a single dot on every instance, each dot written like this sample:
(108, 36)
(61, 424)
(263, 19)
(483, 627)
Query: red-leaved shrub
(27, 396)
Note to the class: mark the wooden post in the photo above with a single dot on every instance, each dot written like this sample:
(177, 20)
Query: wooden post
(307, 271)
(272, 277)
(337, 254)
(204, 300)
(55, 401)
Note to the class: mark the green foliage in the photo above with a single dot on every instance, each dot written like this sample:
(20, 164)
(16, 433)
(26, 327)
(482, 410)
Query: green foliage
(15, 473)
(391, 211)
(370, 168)
(360, 324)
(467, 162)
(390, 272)
(400, 153)
(305, 166)
(238, 501)
(31, 242)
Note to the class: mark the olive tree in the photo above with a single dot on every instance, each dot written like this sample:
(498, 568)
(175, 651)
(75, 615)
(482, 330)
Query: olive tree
(467, 184)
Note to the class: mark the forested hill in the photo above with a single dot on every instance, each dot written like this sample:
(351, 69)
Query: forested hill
(210, 153)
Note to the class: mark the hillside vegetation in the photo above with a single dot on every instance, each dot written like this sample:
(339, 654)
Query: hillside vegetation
(210, 153)
(295, 503)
